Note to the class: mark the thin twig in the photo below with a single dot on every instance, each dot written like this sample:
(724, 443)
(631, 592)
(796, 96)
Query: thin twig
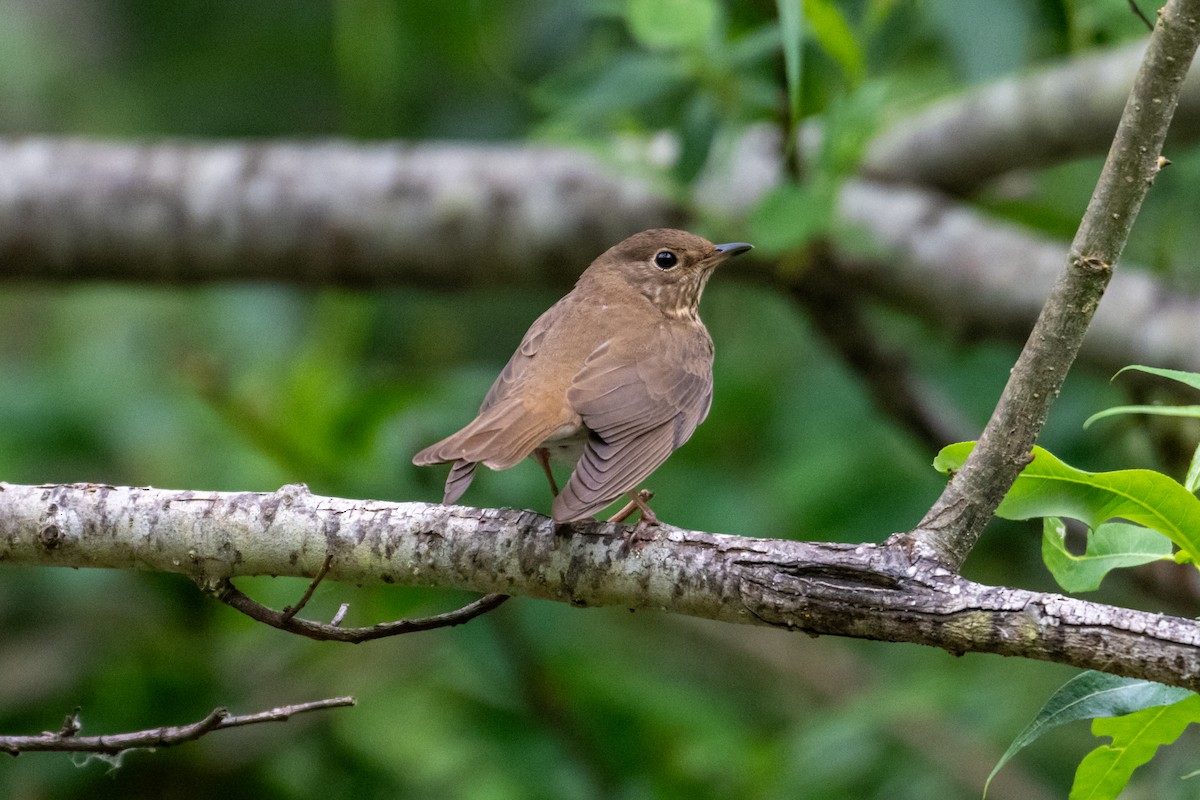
(291, 611)
(1140, 15)
(66, 740)
(954, 522)
(228, 594)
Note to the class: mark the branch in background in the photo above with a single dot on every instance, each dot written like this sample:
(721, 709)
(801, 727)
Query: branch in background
(1064, 112)
(948, 263)
(68, 740)
(863, 591)
(951, 527)
(834, 304)
(342, 213)
(323, 213)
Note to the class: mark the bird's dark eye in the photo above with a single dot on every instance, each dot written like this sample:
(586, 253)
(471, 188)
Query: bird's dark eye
(665, 259)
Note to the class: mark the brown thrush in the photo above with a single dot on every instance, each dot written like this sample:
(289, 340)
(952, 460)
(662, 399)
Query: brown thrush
(613, 378)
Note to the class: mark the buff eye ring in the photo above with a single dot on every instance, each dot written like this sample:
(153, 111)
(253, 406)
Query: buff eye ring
(665, 259)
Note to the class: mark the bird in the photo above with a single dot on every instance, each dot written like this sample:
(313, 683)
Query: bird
(612, 379)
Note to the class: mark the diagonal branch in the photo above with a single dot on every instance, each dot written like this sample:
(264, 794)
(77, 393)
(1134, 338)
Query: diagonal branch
(953, 525)
(883, 592)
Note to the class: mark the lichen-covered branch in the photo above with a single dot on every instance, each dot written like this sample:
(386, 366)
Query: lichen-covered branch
(951, 527)
(867, 591)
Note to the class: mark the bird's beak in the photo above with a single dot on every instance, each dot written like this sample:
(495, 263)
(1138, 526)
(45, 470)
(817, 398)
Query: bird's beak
(733, 249)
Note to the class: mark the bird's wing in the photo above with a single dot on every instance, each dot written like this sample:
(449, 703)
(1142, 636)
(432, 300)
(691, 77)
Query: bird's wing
(640, 404)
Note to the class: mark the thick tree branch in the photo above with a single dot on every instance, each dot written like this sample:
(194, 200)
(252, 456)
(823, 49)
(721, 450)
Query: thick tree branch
(864, 591)
(954, 523)
(68, 740)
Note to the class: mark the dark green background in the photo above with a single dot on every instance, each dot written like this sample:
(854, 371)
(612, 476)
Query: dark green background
(252, 386)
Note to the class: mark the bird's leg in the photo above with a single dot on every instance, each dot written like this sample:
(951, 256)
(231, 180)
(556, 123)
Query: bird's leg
(625, 512)
(637, 502)
(542, 455)
(647, 518)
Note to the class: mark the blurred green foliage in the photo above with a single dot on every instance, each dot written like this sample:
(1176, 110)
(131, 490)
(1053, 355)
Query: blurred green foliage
(251, 387)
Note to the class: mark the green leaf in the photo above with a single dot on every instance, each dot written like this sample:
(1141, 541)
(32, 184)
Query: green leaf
(1111, 546)
(1049, 488)
(791, 30)
(1162, 411)
(1192, 379)
(836, 38)
(1136, 737)
(1089, 695)
(672, 24)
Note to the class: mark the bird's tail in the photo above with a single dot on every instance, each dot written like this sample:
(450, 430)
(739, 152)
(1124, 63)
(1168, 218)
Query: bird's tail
(460, 477)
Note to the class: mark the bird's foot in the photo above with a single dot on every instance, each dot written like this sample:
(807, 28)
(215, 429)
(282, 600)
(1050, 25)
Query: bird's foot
(636, 538)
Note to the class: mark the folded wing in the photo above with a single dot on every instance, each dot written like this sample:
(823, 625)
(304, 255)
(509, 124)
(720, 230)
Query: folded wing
(640, 405)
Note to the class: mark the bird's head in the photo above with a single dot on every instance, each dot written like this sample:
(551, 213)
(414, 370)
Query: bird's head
(668, 266)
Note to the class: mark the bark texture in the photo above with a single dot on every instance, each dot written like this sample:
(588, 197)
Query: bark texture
(868, 591)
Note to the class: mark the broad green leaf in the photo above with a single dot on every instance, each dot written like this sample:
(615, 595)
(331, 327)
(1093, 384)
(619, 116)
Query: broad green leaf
(1089, 695)
(1111, 546)
(1136, 737)
(836, 38)
(1192, 379)
(1049, 488)
(791, 30)
(672, 23)
(1162, 411)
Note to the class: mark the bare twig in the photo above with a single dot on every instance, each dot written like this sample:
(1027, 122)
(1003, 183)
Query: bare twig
(67, 740)
(1141, 15)
(332, 631)
(291, 611)
(953, 525)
